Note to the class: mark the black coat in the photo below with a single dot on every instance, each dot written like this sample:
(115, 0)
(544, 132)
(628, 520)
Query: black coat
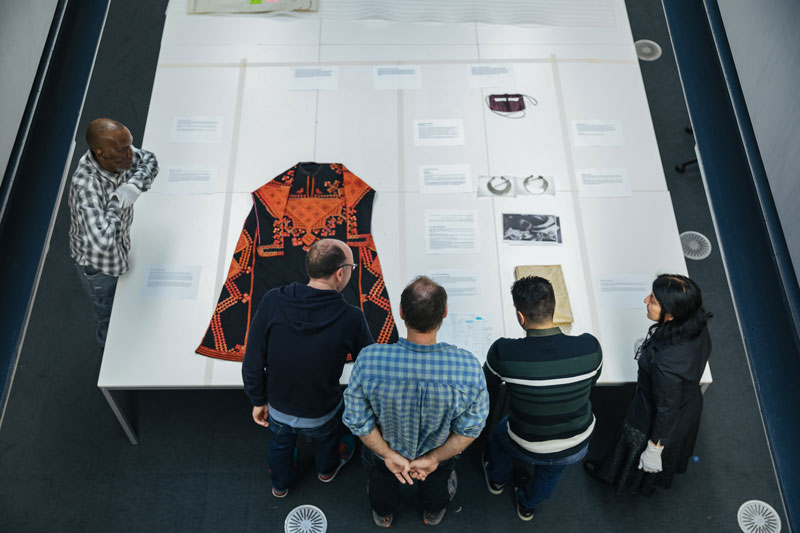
(668, 401)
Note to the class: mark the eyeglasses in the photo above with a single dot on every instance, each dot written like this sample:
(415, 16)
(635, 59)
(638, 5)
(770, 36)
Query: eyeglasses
(351, 265)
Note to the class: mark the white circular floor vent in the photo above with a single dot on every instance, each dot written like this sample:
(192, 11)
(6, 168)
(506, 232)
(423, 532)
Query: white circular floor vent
(647, 50)
(755, 516)
(306, 519)
(695, 245)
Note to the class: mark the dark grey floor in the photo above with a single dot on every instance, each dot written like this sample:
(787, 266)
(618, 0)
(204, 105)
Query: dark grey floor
(66, 466)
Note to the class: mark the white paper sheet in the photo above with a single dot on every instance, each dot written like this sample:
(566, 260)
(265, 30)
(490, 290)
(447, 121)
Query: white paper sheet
(171, 282)
(435, 179)
(314, 79)
(603, 182)
(442, 132)
(192, 174)
(472, 332)
(490, 75)
(251, 6)
(597, 133)
(627, 292)
(451, 231)
(196, 130)
(583, 14)
(458, 282)
(395, 77)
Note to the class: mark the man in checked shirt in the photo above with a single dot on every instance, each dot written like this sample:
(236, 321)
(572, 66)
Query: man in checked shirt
(416, 405)
(110, 177)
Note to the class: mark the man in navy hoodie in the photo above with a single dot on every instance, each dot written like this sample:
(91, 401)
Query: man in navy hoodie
(297, 345)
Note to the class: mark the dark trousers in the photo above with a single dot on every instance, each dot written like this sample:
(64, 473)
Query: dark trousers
(383, 485)
(546, 472)
(325, 442)
(101, 289)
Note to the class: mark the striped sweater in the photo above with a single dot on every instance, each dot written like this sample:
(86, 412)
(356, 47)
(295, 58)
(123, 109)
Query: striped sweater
(549, 376)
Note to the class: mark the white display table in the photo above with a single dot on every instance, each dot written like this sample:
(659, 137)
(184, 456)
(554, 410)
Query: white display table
(230, 79)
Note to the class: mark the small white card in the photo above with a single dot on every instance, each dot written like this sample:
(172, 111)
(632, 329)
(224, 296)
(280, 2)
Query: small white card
(469, 331)
(186, 179)
(603, 182)
(443, 132)
(189, 174)
(626, 292)
(196, 130)
(597, 133)
(314, 79)
(171, 282)
(396, 77)
(458, 282)
(435, 179)
(451, 231)
(490, 75)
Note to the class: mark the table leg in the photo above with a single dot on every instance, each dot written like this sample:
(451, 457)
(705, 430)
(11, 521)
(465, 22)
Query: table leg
(121, 418)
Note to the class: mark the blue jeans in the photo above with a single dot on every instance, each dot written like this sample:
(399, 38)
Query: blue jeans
(100, 288)
(324, 439)
(546, 472)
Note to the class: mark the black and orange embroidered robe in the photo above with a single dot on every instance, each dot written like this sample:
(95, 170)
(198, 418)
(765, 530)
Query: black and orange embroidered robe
(308, 202)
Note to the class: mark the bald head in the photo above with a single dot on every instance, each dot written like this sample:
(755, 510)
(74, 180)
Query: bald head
(326, 256)
(423, 305)
(101, 129)
(110, 142)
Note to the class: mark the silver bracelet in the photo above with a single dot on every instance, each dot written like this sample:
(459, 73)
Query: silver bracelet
(535, 184)
(499, 190)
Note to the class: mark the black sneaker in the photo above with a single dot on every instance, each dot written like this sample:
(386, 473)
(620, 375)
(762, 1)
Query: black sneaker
(522, 512)
(494, 488)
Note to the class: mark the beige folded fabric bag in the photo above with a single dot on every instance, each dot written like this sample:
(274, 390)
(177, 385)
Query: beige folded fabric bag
(552, 273)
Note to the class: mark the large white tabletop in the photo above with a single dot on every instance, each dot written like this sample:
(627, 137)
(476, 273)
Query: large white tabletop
(235, 72)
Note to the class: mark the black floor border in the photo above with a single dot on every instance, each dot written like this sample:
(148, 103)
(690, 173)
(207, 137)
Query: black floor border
(755, 254)
(33, 188)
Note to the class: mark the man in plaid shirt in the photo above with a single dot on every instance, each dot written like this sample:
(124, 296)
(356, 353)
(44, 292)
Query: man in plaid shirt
(416, 405)
(110, 177)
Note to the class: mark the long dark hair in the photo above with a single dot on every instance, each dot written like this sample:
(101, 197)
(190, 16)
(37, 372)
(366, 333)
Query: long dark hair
(680, 297)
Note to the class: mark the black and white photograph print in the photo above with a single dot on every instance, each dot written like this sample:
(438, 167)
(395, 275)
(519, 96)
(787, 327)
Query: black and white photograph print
(519, 228)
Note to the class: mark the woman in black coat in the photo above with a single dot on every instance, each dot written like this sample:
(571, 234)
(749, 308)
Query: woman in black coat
(657, 438)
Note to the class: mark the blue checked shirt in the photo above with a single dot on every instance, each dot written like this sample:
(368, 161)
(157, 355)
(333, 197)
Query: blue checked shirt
(417, 395)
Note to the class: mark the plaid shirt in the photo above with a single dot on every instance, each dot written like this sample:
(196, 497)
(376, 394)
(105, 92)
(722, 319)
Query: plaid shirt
(100, 230)
(417, 394)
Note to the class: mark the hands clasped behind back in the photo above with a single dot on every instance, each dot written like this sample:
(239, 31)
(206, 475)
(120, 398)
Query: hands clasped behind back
(406, 471)
(399, 466)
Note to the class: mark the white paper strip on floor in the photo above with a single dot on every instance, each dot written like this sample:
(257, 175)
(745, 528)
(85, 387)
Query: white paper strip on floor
(568, 13)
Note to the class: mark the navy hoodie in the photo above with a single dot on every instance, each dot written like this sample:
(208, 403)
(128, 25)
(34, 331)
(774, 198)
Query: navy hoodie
(297, 345)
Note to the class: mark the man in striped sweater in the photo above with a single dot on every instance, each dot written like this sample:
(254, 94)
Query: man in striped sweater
(548, 376)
